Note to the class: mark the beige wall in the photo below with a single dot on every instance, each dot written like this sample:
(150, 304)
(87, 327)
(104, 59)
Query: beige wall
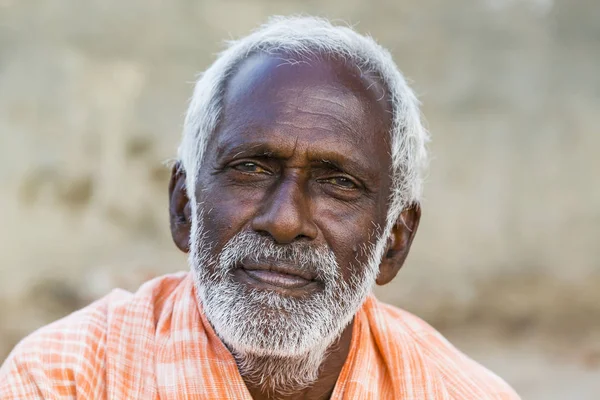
(91, 102)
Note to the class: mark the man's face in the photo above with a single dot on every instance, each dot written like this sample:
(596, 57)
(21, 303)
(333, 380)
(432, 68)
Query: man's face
(291, 198)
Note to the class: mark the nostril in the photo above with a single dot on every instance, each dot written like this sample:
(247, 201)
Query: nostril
(302, 237)
(263, 233)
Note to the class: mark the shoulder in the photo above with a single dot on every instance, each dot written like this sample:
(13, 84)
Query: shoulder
(461, 377)
(68, 355)
(49, 362)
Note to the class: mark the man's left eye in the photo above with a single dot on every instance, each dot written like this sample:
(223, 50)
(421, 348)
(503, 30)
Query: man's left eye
(346, 183)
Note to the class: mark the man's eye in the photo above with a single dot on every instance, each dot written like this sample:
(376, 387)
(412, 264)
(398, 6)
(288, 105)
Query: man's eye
(251, 168)
(341, 181)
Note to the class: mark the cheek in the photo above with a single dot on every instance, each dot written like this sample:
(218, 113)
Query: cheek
(225, 214)
(348, 232)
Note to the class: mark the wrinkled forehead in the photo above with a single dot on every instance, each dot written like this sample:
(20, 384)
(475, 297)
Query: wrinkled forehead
(330, 91)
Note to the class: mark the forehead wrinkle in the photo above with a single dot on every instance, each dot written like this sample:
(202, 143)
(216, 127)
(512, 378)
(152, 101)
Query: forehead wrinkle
(308, 114)
(311, 126)
(234, 147)
(328, 100)
(337, 97)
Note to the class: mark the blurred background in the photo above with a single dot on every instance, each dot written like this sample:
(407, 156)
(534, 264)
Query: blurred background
(506, 262)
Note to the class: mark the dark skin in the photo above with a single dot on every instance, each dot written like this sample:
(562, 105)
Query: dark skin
(301, 153)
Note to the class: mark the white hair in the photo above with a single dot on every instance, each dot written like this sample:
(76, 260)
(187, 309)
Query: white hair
(306, 36)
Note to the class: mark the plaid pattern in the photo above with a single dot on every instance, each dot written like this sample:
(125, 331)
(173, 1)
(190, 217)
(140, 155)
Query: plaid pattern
(157, 344)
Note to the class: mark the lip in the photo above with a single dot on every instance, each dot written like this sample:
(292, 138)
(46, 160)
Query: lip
(273, 278)
(286, 279)
(280, 269)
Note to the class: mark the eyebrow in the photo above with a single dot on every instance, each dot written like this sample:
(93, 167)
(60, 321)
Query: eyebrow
(257, 149)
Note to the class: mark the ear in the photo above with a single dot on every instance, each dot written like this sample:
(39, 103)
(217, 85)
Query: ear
(179, 209)
(399, 244)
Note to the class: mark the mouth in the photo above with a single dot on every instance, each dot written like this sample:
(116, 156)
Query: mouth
(284, 278)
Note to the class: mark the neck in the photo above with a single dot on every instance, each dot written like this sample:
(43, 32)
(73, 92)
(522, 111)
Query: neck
(312, 376)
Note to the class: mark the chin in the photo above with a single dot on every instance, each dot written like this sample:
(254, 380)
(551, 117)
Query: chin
(269, 323)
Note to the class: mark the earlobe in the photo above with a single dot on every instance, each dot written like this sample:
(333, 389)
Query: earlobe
(179, 209)
(398, 244)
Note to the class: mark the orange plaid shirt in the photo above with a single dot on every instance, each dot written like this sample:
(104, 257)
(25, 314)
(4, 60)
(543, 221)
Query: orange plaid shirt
(157, 344)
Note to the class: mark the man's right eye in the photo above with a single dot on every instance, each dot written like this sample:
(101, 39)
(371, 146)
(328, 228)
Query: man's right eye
(250, 167)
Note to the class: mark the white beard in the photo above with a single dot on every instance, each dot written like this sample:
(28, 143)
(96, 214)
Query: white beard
(279, 342)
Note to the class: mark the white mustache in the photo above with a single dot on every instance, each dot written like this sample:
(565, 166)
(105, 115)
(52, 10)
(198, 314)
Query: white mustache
(318, 260)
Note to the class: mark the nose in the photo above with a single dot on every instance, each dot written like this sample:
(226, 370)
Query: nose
(286, 214)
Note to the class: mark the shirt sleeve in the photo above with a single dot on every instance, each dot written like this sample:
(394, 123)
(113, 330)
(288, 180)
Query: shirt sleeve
(63, 360)
(20, 379)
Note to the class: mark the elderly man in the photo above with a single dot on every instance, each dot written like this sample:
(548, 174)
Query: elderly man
(296, 190)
